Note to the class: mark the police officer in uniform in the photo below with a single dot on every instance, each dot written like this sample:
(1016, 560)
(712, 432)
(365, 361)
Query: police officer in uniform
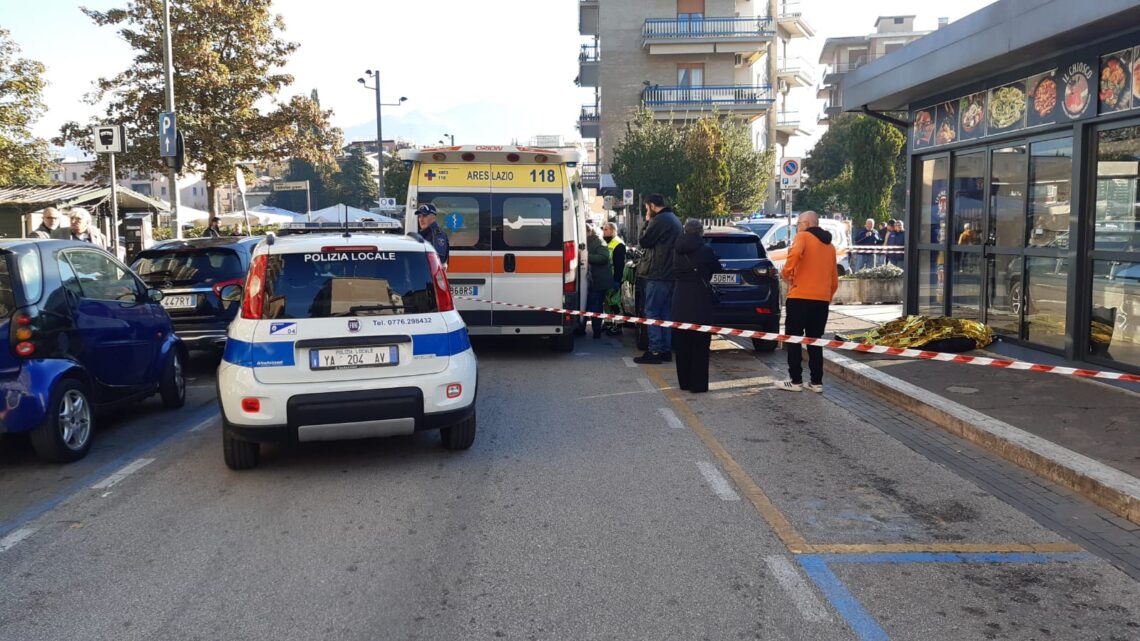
(431, 232)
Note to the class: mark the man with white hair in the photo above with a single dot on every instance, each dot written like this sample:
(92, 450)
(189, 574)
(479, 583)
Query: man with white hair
(82, 230)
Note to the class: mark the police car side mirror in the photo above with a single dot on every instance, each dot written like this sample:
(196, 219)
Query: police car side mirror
(154, 295)
(231, 293)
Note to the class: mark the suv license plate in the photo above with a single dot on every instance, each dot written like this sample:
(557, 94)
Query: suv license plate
(354, 357)
(180, 301)
(725, 279)
(464, 290)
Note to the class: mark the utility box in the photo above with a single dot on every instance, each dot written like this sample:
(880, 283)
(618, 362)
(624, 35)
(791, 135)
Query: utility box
(140, 235)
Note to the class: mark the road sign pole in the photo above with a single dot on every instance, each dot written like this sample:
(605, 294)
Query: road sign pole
(308, 203)
(114, 208)
(168, 64)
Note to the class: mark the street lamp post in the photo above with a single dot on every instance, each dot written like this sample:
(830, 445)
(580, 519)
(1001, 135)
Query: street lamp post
(375, 76)
(451, 137)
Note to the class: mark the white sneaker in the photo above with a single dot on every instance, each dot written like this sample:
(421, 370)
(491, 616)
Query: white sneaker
(812, 387)
(789, 386)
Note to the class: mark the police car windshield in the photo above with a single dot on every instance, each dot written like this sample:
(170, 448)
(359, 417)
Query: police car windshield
(348, 283)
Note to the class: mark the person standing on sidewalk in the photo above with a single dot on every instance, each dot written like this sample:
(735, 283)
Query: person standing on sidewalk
(48, 224)
(812, 281)
(612, 303)
(694, 263)
(866, 237)
(599, 276)
(656, 270)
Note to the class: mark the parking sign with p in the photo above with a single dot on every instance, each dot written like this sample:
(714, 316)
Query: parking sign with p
(790, 171)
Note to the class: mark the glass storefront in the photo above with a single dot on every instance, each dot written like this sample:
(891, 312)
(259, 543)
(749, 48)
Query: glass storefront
(931, 271)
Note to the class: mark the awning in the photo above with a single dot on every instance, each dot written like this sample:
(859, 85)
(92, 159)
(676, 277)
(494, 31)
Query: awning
(32, 197)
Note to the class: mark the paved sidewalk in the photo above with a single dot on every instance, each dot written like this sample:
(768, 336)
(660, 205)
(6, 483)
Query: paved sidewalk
(1077, 432)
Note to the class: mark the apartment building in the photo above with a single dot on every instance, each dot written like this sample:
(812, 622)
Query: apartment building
(684, 58)
(844, 55)
(191, 187)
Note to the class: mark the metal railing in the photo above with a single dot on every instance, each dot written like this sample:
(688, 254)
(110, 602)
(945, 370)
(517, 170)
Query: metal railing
(788, 119)
(590, 112)
(696, 27)
(727, 95)
(589, 53)
(797, 64)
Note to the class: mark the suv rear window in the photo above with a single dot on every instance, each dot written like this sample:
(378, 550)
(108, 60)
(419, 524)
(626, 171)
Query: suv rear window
(322, 285)
(736, 247)
(188, 267)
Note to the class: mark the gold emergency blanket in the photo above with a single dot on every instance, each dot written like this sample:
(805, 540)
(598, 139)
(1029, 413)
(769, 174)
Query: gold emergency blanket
(916, 331)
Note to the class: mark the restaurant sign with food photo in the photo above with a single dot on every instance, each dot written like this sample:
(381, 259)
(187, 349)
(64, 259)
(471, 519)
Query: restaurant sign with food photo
(972, 116)
(923, 128)
(1007, 108)
(1115, 83)
(1043, 92)
(1077, 83)
(947, 130)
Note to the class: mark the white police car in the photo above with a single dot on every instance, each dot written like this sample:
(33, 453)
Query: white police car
(344, 335)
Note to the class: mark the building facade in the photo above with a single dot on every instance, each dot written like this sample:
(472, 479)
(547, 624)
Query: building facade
(843, 55)
(1024, 146)
(191, 187)
(682, 59)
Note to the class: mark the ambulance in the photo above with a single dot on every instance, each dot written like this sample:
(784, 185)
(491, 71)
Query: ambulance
(515, 218)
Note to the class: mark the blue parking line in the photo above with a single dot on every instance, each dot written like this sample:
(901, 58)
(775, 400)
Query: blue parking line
(39, 509)
(858, 619)
(956, 557)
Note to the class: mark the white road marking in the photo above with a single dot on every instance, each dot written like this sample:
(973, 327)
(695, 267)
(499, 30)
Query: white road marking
(797, 588)
(647, 385)
(203, 425)
(718, 483)
(123, 473)
(671, 418)
(629, 361)
(10, 541)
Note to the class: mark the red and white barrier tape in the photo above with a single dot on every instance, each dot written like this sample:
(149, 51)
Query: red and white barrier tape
(833, 344)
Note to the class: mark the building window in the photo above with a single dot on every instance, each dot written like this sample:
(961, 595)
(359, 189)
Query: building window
(163, 190)
(1050, 176)
(74, 176)
(141, 188)
(691, 75)
(899, 20)
(690, 15)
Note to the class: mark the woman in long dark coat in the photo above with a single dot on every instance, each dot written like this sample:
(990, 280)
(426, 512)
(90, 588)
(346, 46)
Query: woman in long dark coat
(694, 263)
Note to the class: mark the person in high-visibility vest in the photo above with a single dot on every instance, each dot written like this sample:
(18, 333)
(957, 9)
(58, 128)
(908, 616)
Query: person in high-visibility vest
(612, 301)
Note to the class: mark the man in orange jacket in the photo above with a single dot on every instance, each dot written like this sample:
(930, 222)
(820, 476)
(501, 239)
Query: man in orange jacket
(812, 276)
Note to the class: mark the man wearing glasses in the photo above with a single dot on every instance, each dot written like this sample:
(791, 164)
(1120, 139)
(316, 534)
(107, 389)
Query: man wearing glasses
(50, 224)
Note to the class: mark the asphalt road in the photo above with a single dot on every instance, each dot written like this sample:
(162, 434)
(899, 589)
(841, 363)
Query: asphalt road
(596, 503)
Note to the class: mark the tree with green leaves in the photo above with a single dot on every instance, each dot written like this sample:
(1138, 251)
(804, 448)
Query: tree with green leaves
(827, 169)
(397, 175)
(702, 194)
(749, 170)
(356, 185)
(227, 58)
(24, 158)
(874, 147)
(650, 158)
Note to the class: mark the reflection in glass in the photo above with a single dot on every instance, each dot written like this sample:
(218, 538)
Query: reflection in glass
(1002, 311)
(966, 286)
(1007, 197)
(1051, 176)
(1045, 298)
(932, 204)
(1117, 204)
(1114, 332)
(931, 274)
(969, 195)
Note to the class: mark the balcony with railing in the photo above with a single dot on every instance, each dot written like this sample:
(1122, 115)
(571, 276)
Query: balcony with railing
(792, 21)
(797, 72)
(788, 122)
(741, 100)
(695, 34)
(590, 122)
(589, 63)
(591, 177)
(588, 17)
(837, 70)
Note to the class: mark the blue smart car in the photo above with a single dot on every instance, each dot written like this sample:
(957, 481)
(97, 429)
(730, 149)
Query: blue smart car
(84, 333)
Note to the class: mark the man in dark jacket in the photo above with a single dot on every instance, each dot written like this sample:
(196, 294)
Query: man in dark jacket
(656, 272)
(866, 237)
(695, 263)
(612, 302)
(430, 231)
(600, 276)
(896, 239)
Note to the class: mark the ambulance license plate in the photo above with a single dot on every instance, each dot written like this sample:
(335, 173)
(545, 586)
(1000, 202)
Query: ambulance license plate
(464, 290)
(179, 301)
(725, 279)
(354, 357)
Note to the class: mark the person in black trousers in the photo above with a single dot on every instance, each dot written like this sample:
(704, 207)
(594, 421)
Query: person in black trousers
(694, 263)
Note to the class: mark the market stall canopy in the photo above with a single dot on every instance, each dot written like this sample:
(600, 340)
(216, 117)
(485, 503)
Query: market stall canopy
(33, 197)
(1002, 36)
(267, 209)
(191, 216)
(336, 214)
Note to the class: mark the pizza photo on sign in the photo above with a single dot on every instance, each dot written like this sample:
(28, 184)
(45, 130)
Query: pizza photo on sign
(1115, 88)
(1043, 99)
(1076, 82)
(972, 116)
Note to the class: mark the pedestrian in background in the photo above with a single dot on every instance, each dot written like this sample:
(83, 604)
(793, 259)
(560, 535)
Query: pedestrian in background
(430, 231)
(896, 239)
(812, 281)
(656, 270)
(49, 223)
(212, 230)
(82, 230)
(694, 263)
(866, 237)
(599, 276)
(612, 302)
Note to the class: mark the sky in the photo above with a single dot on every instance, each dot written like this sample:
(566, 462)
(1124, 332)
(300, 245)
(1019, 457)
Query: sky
(486, 72)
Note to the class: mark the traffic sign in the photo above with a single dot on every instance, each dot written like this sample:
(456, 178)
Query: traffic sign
(109, 139)
(296, 185)
(453, 222)
(167, 135)
(387, 202)
(241, 181)
(790, 171)
(627, 196)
